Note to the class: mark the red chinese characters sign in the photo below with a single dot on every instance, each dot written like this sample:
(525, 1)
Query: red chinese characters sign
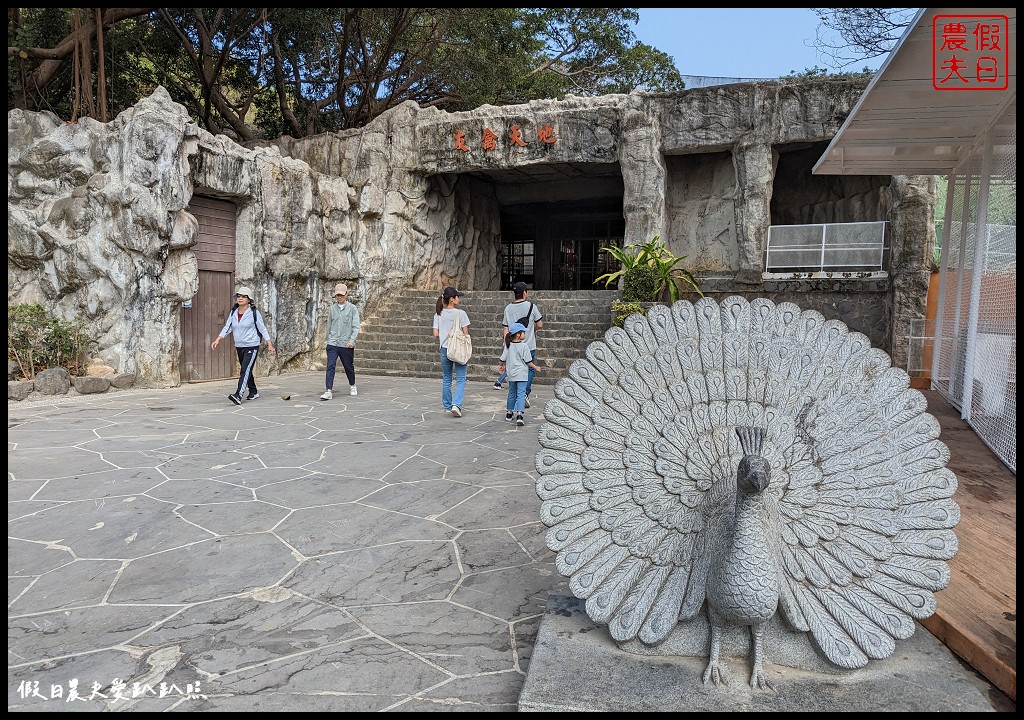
(970, 52)
(516, 137)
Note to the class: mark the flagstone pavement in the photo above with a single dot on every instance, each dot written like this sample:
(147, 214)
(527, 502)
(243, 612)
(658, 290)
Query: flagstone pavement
(168, 550)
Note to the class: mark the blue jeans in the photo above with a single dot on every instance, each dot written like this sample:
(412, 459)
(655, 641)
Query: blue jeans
(529, 380)
(447, 398)
(347, 356)
(516, 396)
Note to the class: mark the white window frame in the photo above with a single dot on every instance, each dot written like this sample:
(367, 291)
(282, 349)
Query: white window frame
(825, 268)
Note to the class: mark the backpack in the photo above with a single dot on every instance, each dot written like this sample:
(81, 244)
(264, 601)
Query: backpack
(255, 315)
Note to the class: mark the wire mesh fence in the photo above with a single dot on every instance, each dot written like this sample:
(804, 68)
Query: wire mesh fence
(974, 364)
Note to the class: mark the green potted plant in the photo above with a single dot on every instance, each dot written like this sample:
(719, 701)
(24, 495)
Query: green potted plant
(649, 271)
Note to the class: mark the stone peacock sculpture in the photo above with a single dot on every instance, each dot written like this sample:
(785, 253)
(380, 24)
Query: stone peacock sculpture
(744, 459)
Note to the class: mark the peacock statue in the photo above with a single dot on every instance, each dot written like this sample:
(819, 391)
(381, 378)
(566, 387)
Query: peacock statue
(747, 459)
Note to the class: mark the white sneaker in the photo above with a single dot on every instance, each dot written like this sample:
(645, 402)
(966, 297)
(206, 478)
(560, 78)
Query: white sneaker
(327, 396)
(456, 411)
(352, 391)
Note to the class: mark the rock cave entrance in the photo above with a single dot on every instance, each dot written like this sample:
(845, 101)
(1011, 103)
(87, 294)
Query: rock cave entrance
(554, 220)
(801, 198)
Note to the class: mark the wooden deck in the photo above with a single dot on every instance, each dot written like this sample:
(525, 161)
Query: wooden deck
(977, 612)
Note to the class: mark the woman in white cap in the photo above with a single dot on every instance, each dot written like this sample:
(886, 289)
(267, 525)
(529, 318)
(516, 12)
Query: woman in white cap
(342, 329)
(447, 312)
(246, 326)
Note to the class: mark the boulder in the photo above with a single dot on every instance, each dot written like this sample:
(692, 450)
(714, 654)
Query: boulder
(53, 381)
(19, 389)
(122, 380)
(99, 369)
(90, 384)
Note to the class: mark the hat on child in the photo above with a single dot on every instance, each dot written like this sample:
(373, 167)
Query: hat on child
(515, 328)
(519, 288)
(244, 290)
(341, 289)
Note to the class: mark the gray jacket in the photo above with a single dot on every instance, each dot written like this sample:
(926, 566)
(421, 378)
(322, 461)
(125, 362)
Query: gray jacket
(244, 330)
(342, 324)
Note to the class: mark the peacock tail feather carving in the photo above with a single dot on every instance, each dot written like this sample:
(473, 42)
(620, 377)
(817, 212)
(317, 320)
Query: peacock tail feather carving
(638, 473)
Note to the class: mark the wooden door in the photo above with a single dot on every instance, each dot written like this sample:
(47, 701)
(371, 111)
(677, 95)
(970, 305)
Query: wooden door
(203, 317)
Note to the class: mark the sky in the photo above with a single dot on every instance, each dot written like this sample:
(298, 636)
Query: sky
(737, 42)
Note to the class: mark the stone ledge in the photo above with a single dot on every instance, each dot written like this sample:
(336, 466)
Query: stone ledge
(576, 666)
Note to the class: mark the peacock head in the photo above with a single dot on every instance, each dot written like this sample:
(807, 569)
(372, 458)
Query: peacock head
(753, 473)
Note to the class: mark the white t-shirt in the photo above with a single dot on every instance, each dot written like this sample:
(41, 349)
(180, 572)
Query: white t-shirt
(514, 311)
(444, 323)
(517, 357)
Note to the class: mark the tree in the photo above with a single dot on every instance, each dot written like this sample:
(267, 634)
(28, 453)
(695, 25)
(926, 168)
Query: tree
(593, 51)
(864, 33)
(51, 53)
(223, 67)
(257, 73)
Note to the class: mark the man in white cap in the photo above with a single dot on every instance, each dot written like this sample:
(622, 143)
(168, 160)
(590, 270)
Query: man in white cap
(342, 329)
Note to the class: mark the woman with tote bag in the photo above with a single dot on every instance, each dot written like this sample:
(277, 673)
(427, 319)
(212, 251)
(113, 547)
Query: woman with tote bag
(447, 315)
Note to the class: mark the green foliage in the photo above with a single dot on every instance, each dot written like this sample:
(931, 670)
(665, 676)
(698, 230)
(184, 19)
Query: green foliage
(1002, 208)
(653, 254)
(820, 73)
(622, 310)
(644, 68)
(253, 73)
(26, 332)
(641, 284)
(37, 340)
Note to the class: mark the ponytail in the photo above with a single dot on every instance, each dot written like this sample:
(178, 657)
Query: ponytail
(508, 339)
(439, 305)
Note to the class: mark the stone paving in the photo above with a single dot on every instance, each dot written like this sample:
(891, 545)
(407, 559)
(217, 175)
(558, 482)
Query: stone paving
(168, 550)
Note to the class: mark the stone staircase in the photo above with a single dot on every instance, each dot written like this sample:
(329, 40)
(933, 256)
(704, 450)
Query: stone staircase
(398, 339)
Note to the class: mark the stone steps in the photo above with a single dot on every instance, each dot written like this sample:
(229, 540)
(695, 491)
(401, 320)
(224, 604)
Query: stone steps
(398, 339)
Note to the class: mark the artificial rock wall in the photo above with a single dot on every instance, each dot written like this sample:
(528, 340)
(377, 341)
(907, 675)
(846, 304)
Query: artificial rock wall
(98, 223)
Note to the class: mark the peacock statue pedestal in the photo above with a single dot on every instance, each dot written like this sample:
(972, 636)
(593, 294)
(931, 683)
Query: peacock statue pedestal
(576, 666)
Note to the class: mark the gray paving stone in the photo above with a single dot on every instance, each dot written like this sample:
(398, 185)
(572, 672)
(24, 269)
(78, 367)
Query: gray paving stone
(123, 528)
(35, 639)
(32, 559)
(52, 462)
(75, 584)
(234, 517)
(395, 573)
(202, 571)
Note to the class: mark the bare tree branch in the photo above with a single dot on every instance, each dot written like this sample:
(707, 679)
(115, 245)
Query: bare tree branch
(863, 33)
